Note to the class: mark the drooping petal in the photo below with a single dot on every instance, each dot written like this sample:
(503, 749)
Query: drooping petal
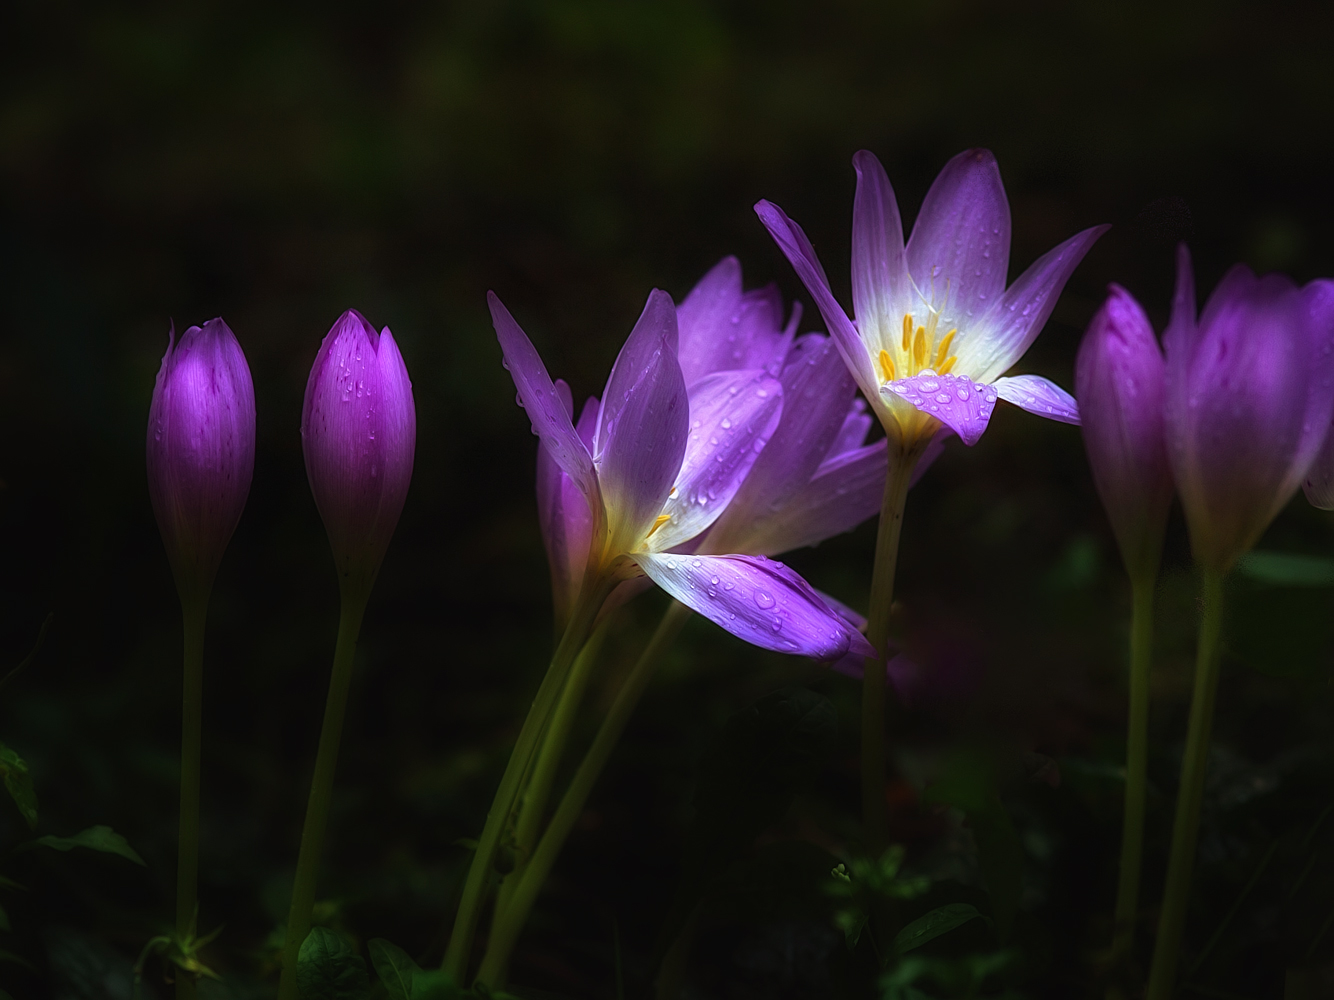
(641, 436)
(1009, 328)
(881, 287)
(732, 417)
(537, 395)
(565, 520)
(798, 250)
(754, 598)
(960, 245)
(856, 425)
(722, 327)
(959, 403)
(1040, 396)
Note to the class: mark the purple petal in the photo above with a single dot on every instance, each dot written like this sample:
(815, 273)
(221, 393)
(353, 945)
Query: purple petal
(816, 391)
(641, 435)
(960, 244)
(1319, 482)
(732, 416)
(881, 288)
(798, 250)
(587, 427)
(565, 520)
(548, 414)
(754, 598)
(722, 328)
(959, 403)
(1040, 396)
(1016, 319)
(856, 425)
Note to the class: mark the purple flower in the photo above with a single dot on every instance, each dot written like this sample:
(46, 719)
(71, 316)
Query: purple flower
(655, 466)
(1119, 385)
(936, 328)
(1249, 394)
(201, 450)
(359, 431)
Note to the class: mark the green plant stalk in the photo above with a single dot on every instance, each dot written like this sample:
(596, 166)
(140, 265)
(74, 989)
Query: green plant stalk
(507, 927)
(591, 598)
(901, 466)
(1194, 767)
(194, 615)
(321, 791)
(1137, 760)
(533, 801)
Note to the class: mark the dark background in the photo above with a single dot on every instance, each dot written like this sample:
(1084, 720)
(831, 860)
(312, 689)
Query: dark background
(277, 164)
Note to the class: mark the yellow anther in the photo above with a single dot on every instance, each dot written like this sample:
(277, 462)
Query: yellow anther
(943, 351)
(907, 330)
(886, 366)
(659, 522)
(919, 347)
(949, 363)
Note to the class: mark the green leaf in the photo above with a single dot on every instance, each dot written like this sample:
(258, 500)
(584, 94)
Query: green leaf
(328, 969)
(394, 966)
(941, 920)
(436, 984)
(18, 782)
(95, 838)
(1287, 569)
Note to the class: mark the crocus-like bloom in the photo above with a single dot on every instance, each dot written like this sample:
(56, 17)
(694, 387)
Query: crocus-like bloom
(1250, 389)
(654, 467)
(1119, 385)
(359, 431)
(201, 450)
(936, 328)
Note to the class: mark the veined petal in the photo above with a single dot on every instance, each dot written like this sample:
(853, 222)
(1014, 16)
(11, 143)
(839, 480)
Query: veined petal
(754, 598)
(732, 416)
(798, 250)
(960, 245)
(899, 670)
(723, 328)
(1009, 328)
(641, 436)
(856, 425)
(565, 520)
(959, 403)
(550, 419)
(1040, 396)
(587, 427)
(881, 287)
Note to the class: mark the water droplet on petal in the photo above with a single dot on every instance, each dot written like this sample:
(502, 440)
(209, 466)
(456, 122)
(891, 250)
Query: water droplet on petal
(764, 599)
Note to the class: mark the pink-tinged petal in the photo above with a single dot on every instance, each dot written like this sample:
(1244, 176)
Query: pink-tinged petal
(856, 425)
(1005, 332)
(816, 390)
(798, 250)
(959, 403)
(960, 245)
(1119, 380)
(548, 414)
(881, 288)
(565, 520)
(1040, 396)
(641, 436)
(756, 599)
(723, 328)
(732, 417)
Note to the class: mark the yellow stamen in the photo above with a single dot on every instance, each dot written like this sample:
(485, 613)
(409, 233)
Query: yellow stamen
(919, 347)
(886, 366)
(949, 363)
(943, 351)
(907, 330)
(659, 522)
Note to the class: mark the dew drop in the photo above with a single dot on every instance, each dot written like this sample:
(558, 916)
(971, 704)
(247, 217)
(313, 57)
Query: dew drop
(764, 599)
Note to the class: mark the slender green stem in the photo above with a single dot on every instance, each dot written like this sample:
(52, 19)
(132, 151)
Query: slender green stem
(515, 915)
(533, 804)
(321, 792)
(1194, 767)
(590, 601)
(1137, 758)
(194, 614)
(901, 466)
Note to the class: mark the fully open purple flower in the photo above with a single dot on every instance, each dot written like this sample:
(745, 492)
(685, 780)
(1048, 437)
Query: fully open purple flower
(655, 466)
(359, 432)
(1250, 389)
(201, 450)
(936, 328)
(1119, 385)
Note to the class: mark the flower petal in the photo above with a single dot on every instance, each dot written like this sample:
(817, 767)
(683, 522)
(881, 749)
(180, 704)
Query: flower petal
(881, 287)
(960, 244)
(1040, 396)
(565, 520)
(732, 416)
(550, 419)
(856, 425)
(900, 670)
(641, 435)
(798, 250)
(959, 403)
(723, 328)
(1006, 331)
(754, 598)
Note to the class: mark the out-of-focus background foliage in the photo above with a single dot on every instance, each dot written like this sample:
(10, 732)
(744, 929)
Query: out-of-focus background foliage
(278, 163)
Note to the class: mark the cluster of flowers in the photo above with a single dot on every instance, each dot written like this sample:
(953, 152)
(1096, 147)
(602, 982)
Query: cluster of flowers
(724, 437)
